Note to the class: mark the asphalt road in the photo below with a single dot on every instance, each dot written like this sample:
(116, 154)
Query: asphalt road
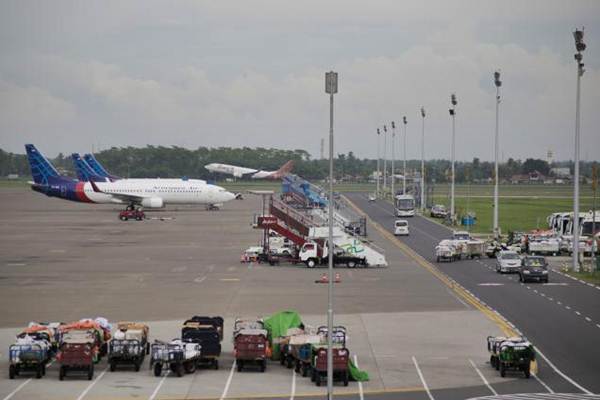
(561, 318)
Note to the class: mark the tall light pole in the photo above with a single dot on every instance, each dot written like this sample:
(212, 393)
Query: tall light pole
(452, 114)
(404, 158)
(579, 46)
(378, 160)
(393, 159)
(423, 161)
(498, 83)
(331, 87)
(384, 159)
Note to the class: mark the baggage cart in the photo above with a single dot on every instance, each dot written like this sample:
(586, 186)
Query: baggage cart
(177, 355)
(30, 357)
(79, 351)
(474, 248)
(251, 346)
(340, 365)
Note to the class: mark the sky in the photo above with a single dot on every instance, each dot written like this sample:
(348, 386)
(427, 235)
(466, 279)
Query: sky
(81, 76)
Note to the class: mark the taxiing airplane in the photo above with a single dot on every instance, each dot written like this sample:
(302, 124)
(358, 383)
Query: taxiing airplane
(149, 193)
(240, 172)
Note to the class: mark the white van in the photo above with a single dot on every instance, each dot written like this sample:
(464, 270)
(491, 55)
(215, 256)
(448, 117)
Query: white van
(401, 227)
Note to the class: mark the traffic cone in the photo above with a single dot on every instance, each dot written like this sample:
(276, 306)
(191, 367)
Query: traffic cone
(324, 279)
(338, 279)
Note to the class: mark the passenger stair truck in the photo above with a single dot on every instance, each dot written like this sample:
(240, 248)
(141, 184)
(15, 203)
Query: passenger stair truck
(349, 250)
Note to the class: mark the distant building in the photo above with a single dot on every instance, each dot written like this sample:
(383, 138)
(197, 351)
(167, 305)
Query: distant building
(561, 172)
(12, 176)
(532, 177)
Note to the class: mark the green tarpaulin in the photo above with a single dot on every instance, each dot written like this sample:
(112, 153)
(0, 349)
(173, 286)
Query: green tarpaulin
(357, 374)
(278, 324)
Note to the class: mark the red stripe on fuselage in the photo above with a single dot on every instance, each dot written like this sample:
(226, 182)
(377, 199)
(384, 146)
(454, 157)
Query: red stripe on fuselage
(80, 193)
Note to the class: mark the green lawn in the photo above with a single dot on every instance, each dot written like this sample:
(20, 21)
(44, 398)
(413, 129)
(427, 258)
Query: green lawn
(592, 277)
(5, 183)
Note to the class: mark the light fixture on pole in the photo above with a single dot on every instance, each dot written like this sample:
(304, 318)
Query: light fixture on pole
(404, 158)
(393, 159)
(579, 46)
(452, 114)
(384, 160)
(378, 169)
(331, 87)
(498, 83)
(423, 161)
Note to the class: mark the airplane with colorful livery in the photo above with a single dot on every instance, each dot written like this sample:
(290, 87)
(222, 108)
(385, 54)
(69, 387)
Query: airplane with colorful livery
(240, 172)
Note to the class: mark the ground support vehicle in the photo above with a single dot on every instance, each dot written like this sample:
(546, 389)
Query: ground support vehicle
(446, 250)
(177, 355)
(300, 352)
(341, 357)
(474, 248)
(28, 355)
(78, 352)
(129, 345)
(533, 268)
(438, 211)
(126, 215)
(48, 332)
(251, 346)
(313, 254)
(207, 336)
(544, 245)
(99, 328)
(515, 353)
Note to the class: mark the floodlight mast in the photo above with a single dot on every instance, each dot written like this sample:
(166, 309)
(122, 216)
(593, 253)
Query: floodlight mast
(498, 83)
(580, 47)
(393, 159)
(404, 160)
(452, 114)
(423, 161)
(378, 160)
(384, 160)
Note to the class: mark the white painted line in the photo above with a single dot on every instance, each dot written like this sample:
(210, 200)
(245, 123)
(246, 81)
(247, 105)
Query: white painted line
(15, 265)
(200, 279)
(542, 383)
(588, 319)
(360, 387)
(11, 394)
(577, 312)
(565, 377)
(162, 380)
(550, 298)
(483, 378)
(226, 389)
(543, 294)
(598, 325)
(422, 378)
(559, 303)
(229, 279)
(91, 385)
(293, 384)
(567, 307)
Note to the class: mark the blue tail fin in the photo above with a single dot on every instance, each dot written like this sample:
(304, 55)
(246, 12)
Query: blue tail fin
(84, 172)
(98, 168)
(41, 169)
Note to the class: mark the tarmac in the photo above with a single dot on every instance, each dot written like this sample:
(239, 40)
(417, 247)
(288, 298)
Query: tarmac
(62, 261)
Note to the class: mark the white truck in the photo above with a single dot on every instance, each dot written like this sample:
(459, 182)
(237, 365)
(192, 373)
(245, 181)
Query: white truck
(405, 205)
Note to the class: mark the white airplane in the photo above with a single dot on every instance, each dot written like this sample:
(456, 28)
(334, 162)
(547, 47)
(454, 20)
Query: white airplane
(239, 172)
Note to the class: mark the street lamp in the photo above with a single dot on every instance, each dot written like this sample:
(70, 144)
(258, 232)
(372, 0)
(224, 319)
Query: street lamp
(378, 159)
(579, 46)
(404, 161)
(423, 161)
(452, 114)
(384, 159)
(331, 87)
(393, 159)
(498, 83)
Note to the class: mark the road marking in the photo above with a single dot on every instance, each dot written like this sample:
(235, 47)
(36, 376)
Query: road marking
(91, 385)
(293, 384)
(490, 284)
(226, 389)
(542, 383)
(458, 298)
(200, 279)
(598, 325)
(15, 264)
(559, 303)
(360, 387)
(483, 378)
(422, 378)
(567, 307)
(588, 319)
(179, 269)
(577, 312)
(162, 380)
(550, 298)
(11, 394)
(229, 279)
(558, 371)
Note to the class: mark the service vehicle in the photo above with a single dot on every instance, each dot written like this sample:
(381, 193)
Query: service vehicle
(372, 197)
(544, 245)
(341, 357)
(28, 354)
(405, 205)
(79, 351)
(447, 250)
(136, 214)
(251, 346)
(401, 227)
(251, 254)
(514, 354)
(508, 262)
(473, 248)
(438, 211)
(533, 268)
(208, 332)
(312, 254)
(129, 345)
(177, 355)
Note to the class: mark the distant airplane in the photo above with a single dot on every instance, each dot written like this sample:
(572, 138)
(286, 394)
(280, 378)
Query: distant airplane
(98, 168)
(150, 193)
(240, 172)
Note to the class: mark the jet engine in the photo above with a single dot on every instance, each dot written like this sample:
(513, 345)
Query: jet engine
(153, 202)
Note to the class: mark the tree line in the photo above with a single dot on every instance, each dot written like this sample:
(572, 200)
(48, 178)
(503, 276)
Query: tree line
(174, 162)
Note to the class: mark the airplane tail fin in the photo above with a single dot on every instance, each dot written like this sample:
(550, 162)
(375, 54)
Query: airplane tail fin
(41, 169)
(97, 167)
(285, 169)
(84, 171)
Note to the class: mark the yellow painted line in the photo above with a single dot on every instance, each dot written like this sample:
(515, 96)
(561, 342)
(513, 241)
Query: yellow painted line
(493, 316)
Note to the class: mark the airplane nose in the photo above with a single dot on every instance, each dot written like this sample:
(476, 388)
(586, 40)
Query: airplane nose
(229, 196)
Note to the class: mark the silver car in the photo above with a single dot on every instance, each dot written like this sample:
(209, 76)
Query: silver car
(507, 261)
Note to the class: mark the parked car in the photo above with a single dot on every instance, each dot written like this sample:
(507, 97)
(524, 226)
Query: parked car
(438, 211)
(507, 261)
(533, 268)
(372, 197)
(401, 227)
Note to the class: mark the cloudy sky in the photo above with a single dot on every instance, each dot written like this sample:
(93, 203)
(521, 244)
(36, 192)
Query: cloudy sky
(76, 75)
